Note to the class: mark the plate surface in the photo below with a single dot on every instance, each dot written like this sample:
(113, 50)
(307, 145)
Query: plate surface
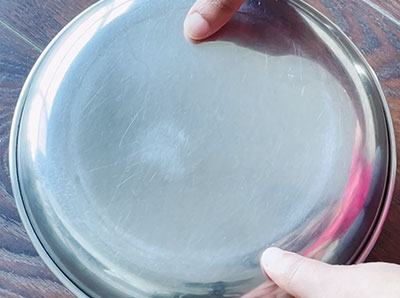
(148, 166)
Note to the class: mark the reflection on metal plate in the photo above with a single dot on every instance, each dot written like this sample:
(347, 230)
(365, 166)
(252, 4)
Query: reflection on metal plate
(148, 166)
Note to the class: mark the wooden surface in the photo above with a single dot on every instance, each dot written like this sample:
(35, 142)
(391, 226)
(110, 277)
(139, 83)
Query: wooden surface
(27, 26)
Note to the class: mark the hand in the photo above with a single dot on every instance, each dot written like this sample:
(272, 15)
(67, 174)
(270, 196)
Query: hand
(207, 16)
(296, 275)
(306, 278)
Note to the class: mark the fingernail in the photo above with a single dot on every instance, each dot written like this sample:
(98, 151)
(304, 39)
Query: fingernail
(196, 27)
(271, 258)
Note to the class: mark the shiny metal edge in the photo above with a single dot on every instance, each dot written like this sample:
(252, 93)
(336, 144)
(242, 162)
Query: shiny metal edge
(358, 257)
(13, 163)
(372, 236)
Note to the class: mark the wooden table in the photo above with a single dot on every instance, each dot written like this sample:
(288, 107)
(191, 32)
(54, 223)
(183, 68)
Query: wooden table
(27, 26)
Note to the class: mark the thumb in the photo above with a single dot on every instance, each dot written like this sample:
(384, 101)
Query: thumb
(307, 278)
(297, 275)
(207, 16)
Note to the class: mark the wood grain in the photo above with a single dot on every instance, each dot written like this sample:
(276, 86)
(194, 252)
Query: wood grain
(22, 272)
(390, 8)
(26, 27)
(39, 21)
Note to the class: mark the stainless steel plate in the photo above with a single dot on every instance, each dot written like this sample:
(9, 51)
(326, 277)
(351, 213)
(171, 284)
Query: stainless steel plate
(147, 166)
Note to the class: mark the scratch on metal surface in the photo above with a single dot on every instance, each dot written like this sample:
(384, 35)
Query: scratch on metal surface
(91, 111)
(123, 172)
(185, 145)
(126, 180)
(121, 184)
(128, 214)
(133, 192)
(152, 176)
(301, 69)
(127, 129)
(302, 91)
(134, 163)
(145, 40)
(244, 76)
(91, 99)
(260, 176)
(320, 115)
(103, 167)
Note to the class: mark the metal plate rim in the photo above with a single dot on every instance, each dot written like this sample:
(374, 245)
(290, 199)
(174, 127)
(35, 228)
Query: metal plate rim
(358, 257)
(383, 211)
(13, 163)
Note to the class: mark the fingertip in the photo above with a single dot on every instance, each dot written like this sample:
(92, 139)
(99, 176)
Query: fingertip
(295, 274)
(196, 27)
(270, 258)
